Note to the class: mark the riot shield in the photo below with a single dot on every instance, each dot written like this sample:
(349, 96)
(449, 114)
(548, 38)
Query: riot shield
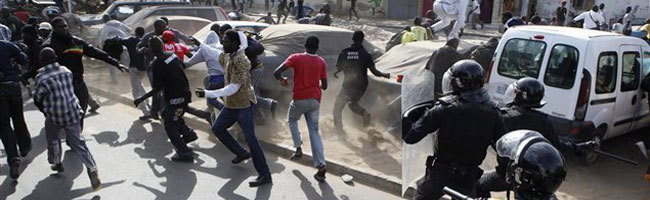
(417, 87)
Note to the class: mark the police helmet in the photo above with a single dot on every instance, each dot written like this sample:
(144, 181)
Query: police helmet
(464, 76)
(536, 168)
(527, 92)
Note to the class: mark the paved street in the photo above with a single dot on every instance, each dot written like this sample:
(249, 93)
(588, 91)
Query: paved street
(133, 162)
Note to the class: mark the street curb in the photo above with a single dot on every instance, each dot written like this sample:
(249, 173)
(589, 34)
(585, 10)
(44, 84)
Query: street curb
(388, 184)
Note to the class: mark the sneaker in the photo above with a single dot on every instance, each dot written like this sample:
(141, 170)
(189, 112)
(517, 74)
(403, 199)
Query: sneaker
(320, 175)
(366, 120)
(14, 169)
(57, 167)
(239, 159)
(93, 109)
(178, 158)
(24, 152)
(260, 180)
(94, 179)
(296, 155)
(190, 138)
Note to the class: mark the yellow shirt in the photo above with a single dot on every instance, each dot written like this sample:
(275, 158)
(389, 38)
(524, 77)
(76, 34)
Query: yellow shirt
(408, 37)
(420, 32)
(647, 30)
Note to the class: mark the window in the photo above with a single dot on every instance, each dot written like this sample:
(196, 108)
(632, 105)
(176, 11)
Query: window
(646, 63)
(631, 68)
(606, 74)
(521, 58)
(123, 11)
(562, 66)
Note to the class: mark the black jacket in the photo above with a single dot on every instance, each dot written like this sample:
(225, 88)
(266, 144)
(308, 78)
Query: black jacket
(136, 58)
(441, 60)
(465, 129)
(355, 61)
(70, 51)
(33, 54)
(253, 51)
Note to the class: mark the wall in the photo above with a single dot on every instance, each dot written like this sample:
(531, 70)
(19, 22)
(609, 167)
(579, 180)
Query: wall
(401, 9)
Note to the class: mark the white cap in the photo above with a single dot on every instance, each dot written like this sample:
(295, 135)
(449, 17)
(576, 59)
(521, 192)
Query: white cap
(45, 25)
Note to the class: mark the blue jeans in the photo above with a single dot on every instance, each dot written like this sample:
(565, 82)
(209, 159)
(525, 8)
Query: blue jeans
(227, 117)
(214, 82)
(177, 129)
(311, 109)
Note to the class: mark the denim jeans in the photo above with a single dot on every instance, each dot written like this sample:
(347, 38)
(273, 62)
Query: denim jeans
(137, 90)
(311, 109)
(74, 139)
(11, 95)
(227, 117)
(213, 83)
(177, 129)
(262, 102)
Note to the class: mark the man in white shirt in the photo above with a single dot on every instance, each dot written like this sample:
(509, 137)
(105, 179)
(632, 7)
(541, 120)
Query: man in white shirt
(592, 19)
(448, 11)
(476, 14)
(111, 29)
(601, 10)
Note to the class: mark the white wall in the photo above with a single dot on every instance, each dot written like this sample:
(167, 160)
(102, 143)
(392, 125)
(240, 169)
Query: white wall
(613, 8)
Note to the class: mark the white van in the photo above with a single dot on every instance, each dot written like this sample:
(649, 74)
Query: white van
(592, 78)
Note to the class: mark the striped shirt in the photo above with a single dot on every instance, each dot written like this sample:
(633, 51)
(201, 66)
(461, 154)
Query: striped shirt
(54, 91)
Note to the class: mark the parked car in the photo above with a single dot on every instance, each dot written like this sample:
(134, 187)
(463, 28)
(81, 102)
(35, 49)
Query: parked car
(204, 12)
(251, 27)
(591, 77)
(126, 8)
(189, 25)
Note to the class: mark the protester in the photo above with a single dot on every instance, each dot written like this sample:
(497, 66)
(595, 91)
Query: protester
(113, 28)
(509, 21)
(282, 10)
(601, 10)
(44, 30)
(618, 26)
(323, 17)
(376, 7)
(483, 53)
(354, 62)
(75, 24)
(476, 14)
(300, 10)
(646, 28)
(55, 97)
(561, 13)
(22, 14)
(408, 36)
(429, 19)
(14, 24)
(419, 31)
(441, 60)
(444, 9)
(239, 99)
(627, 21)
(353, 9)
(33, 43)
(170, 45)
(70, 50)
(535, 20)
(592, 19)
(209, 52)
(11, 106)
(136, 68)
(267, 19)
(309, 77)
(169, 78)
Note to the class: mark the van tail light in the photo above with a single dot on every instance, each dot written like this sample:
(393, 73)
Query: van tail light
(583, 96)
(489, 71)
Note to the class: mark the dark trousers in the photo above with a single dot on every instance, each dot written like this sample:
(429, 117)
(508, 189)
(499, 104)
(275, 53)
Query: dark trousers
(353, 10)
(177, 129)
(11, 93)
(6, 132)
(81, 91)
(440, 175)
(227, 117)
(490, 182)
(157, 99)
(350, 98)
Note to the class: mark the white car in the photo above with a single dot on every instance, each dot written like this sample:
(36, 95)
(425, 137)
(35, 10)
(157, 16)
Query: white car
(592, 78)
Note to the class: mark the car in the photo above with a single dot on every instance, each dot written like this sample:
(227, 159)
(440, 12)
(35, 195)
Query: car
(251, 27)
(210, 13)
(591, 78)
(124, 9)
(188, 25)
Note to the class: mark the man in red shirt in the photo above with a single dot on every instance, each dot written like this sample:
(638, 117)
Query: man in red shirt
(174, 47)
(309, 77)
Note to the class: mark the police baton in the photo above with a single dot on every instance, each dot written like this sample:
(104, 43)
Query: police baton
(615, 157)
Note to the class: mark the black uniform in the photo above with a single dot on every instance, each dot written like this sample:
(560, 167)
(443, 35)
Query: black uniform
(461, 146)
(354, 61)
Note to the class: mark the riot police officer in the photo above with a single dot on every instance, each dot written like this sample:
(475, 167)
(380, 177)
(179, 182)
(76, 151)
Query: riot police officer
(524, 95)
(461, 148)
(535, 169)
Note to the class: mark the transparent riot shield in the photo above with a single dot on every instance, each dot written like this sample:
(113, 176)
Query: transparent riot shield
(417, 87)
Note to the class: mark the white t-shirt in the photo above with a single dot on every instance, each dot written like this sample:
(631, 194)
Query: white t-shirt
(476, 7)
(591, 19)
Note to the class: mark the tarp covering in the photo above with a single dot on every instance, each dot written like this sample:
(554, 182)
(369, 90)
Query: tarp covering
(287, 39)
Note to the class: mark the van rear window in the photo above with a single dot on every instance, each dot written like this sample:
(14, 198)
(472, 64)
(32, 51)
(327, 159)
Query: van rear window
(521, 58)
(562, 66)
